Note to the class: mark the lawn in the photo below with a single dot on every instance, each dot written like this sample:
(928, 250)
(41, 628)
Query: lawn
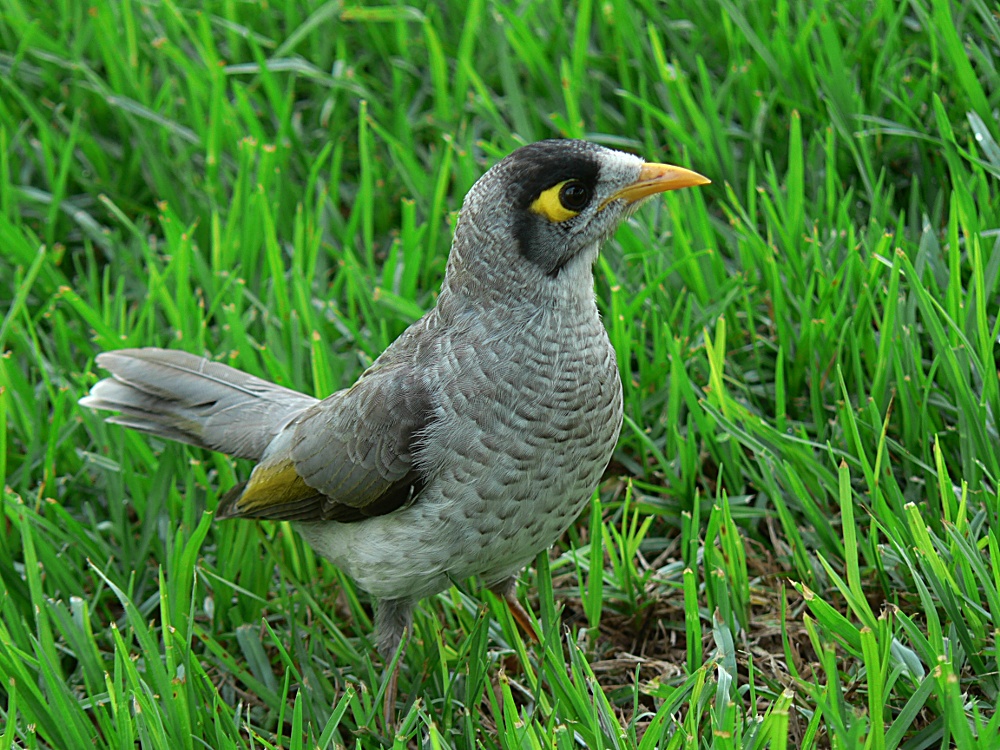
(797, 544)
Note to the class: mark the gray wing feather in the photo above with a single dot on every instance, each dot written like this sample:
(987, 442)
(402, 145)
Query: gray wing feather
(358, 447)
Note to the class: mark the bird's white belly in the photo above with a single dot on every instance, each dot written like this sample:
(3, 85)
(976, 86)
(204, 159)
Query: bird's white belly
(438, 540)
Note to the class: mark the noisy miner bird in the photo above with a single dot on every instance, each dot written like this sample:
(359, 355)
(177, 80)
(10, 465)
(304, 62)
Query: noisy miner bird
(476, 438)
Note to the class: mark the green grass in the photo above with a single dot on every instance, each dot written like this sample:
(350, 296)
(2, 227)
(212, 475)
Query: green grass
(798, 543)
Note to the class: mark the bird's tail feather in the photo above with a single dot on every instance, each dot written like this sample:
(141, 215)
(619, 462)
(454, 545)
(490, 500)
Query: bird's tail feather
(181, 397)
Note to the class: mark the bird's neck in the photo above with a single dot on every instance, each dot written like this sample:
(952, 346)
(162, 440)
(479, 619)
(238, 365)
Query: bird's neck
(571, 292)
(482, 279)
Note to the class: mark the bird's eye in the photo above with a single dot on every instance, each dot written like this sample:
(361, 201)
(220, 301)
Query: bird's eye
(562, 201)
(574, 195)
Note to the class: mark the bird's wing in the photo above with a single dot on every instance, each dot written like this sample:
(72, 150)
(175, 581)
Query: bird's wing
(349, 457)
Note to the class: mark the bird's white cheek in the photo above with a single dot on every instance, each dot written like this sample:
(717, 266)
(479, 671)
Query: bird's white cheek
(576, 280)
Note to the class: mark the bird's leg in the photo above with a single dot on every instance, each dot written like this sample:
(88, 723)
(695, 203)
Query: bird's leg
(507, 589)
(393, 619)
(389, 702)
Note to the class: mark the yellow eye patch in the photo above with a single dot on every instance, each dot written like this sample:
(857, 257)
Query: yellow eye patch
(549, 205)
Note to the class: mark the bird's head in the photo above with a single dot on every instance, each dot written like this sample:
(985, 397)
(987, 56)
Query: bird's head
(540, 214)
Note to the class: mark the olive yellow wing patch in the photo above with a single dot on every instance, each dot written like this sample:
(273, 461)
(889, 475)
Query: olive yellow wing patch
(273, 491)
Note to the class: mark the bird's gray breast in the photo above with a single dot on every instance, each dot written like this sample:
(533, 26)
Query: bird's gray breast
(527, 413)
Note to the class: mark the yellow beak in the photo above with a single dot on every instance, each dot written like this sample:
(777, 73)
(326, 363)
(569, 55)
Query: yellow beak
(657, 178)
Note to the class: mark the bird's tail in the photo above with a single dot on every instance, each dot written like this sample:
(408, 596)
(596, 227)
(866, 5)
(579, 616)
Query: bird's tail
(192, 400)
